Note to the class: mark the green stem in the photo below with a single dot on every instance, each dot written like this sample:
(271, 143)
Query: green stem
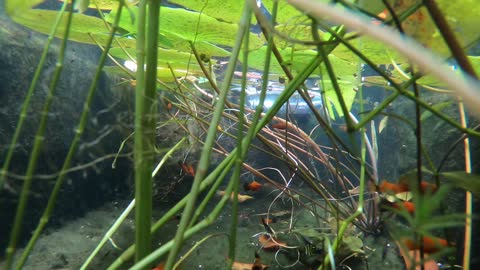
(210, 140)
(170, 245)
(239, 158)
(26, 102)
(38, 141)
(73, 148)
(145, 110)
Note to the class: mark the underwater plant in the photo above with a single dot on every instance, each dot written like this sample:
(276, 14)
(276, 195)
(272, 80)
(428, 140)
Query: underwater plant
(275, 97)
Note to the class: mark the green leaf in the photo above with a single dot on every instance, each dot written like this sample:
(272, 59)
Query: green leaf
(15, 8)
(105, 4)
(466, 181)
(84, 29)
(352, 244)
(439, 107)
(181, 27)
(177, 60)
(226, 10)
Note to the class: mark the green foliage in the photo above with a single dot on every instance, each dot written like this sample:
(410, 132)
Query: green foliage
(463, 180)
(84, 29)
(16, 8)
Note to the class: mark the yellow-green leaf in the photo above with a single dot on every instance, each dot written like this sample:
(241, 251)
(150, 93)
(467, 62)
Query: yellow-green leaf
(17, 7)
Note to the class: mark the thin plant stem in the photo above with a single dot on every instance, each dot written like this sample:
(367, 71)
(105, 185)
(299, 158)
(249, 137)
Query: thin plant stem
(26, 102)
(125, 213)
(188, 233)
(207, 149)
(38, 141)
(73, 148)
(467, 246)
(109, 234)
(239, 158)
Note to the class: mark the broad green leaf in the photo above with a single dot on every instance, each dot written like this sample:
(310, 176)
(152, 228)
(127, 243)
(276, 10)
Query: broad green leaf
(182, 27)
(177, 60)
(84, 29)
(226, 10)
(15, 8)
(375, 51)
(297, 33)
(163, 74)
(106, 4)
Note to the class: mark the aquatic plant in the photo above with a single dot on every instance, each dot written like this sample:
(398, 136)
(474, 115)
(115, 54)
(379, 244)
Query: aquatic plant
(180, 47)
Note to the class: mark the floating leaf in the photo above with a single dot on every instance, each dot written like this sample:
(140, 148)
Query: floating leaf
(226, 10)
(183, 27)
(15, 8)
(104, 4)
(84, 29)
(177, 60)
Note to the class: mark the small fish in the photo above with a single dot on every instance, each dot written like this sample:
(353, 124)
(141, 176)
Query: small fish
(430, 244)
(268, 220)
(403, 186)
(169, 106)
(391, 188)
(279, 125)
(256, 265)
(241, 198)
(409, 206)
(252, 186)
(187, 169)
(160, 266)
(269, 243)
(429, 264)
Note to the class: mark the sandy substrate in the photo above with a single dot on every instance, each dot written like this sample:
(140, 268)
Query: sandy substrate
(68, 247)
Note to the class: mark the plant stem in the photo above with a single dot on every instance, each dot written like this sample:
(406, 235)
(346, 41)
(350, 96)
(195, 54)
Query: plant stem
(38, 141)
(73, 148)
(207, 148)
(145, 110)
(26, 102)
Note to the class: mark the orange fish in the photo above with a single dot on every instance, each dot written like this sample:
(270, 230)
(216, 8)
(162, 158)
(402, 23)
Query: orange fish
(169, 106)
(427, 187)
(187, 169)
(269, 243)
(404, 205)
(253, 186)
(430, 244)
(279, 125)
(429, 264)
(403, 186)
(256, 265)
(160, 266)
(391, 188)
